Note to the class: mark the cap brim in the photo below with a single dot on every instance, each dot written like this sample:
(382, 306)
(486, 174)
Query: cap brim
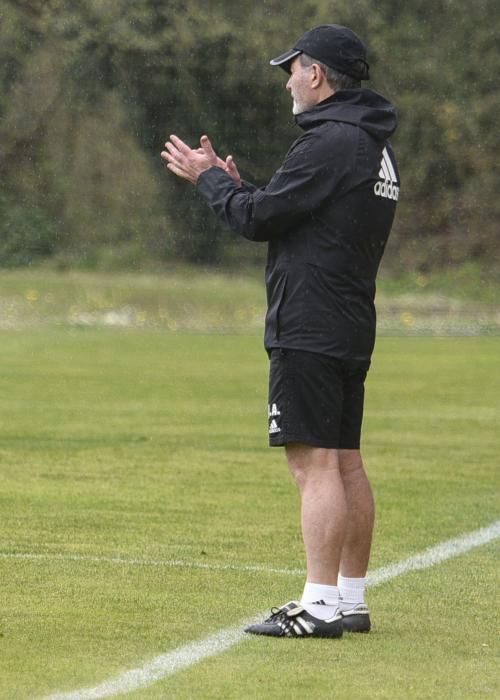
(284, 60)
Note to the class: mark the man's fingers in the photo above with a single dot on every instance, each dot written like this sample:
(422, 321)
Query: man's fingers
(171, 157)
(233, 170)
(186, 162)
(231, 165)
(175, 169)
(171, 148)
(174, 156)
(179, 144)
(207, 146)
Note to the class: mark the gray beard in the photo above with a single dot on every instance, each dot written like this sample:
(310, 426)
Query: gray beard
(298, 108)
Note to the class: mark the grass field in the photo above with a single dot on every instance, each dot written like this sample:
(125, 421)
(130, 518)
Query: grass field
(458, 302)
(134, 469)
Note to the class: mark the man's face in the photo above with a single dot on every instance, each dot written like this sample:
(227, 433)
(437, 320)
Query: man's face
(299, 85)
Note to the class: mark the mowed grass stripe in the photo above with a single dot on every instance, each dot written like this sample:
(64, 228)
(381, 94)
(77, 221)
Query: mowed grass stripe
(420, 561)
(168, 563)
(188, 655)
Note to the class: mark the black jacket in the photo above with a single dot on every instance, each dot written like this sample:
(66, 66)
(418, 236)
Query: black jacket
(326, 214)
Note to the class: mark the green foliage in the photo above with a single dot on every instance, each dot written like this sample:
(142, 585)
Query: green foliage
(89, 91)
(26, 235)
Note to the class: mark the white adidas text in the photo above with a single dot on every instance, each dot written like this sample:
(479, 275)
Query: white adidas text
(387, 186)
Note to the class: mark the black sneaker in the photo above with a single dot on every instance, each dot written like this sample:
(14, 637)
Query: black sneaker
(292, 620)
(357, 619)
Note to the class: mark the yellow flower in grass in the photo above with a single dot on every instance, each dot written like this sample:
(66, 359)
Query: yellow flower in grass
(32, 295)
(407, 318)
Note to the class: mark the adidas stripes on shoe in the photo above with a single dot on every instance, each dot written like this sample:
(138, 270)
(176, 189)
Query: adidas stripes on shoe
(357, 619)
(292, 620)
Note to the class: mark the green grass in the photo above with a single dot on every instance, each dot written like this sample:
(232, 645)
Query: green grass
(144, 444)
(179, 300)
(467, 282)
(458, 302)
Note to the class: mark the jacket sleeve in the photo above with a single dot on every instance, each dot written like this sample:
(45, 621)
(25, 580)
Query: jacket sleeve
(314, 169)
(248, 186)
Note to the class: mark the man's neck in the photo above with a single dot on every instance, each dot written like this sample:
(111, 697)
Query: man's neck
(324, 93)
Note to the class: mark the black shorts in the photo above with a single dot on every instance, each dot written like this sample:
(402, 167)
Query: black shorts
(315, 400)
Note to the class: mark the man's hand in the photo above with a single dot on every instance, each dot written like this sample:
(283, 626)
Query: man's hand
(228, 165)
(189, 163)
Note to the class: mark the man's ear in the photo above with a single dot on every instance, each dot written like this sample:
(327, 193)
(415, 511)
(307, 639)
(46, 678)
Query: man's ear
(317, 75)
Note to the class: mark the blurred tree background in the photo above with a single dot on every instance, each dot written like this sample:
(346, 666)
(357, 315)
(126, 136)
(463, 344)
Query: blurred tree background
(90, 89)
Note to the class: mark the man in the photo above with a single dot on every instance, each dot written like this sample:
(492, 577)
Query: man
(326, 215)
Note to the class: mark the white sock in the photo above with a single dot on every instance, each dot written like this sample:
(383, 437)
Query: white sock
(320, 600)
(352, 592)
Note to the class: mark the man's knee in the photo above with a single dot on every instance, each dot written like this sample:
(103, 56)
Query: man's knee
(298, 457)
(350, 462)
(306, 461)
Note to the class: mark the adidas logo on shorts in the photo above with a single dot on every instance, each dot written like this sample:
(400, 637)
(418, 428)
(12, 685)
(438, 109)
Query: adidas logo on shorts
(387, 186)
(273, 412)
(273, 428)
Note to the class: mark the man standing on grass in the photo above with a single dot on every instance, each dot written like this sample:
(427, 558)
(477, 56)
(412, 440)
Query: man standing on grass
(326, 215)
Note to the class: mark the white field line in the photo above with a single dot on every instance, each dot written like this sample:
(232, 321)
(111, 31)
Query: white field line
(166, 563)
(190, 654)
(437, 554)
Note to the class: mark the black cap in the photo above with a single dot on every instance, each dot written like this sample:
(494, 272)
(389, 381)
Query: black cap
(336, 46)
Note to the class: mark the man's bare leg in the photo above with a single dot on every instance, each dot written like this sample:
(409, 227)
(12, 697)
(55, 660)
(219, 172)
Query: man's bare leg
(357, 544)
(324, 511)
(361, 515)
(324, 526)
(317, 474)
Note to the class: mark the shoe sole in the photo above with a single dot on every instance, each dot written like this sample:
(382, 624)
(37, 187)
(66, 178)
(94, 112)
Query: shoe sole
(356, 623)
(333, 632)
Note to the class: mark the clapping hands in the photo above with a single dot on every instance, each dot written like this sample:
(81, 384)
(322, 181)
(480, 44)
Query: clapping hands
(189, 163)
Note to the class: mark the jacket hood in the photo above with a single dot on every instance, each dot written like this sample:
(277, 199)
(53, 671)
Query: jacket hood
(361, 107)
